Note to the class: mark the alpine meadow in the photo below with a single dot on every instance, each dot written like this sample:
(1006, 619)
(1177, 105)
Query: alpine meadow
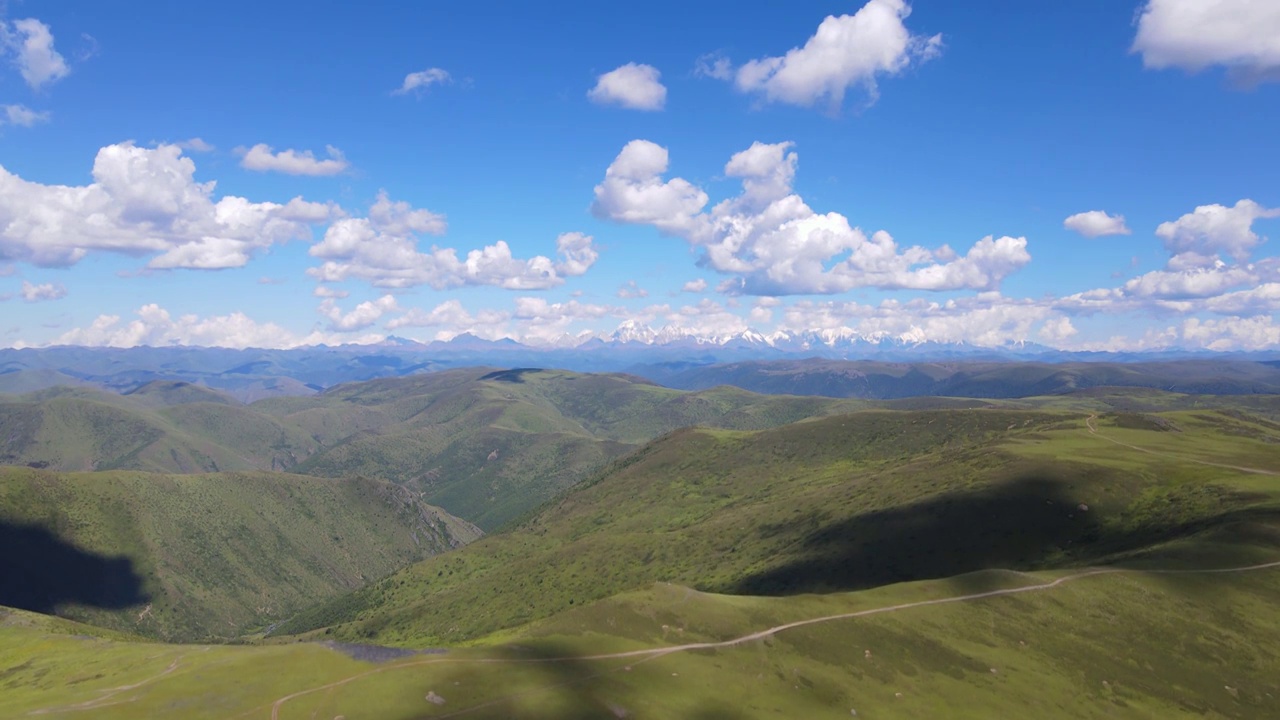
(886, 359)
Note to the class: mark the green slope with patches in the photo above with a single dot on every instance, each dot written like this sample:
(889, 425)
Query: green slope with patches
(488, 445)
(491, 445)
(1133, 645)
(970, 378)
(1057, 563)
(63, 429)
(834, 504)
(205, 555)
(161, 393)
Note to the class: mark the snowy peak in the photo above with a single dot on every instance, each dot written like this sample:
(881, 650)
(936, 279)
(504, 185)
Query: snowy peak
(633, 331)
(838, 342)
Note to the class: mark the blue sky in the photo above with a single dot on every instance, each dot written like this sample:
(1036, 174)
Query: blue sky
(867, 168)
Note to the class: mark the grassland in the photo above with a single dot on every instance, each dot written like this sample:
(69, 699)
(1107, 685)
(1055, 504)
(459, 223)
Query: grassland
(76, 429)
(1132, 645)
(486, 445)
(1048, 557)
(832, 504)
(567, 615)
(203, 556)
(970, 378)
(490, 446)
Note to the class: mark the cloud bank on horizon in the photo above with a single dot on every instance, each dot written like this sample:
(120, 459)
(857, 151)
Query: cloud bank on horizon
(949, 192)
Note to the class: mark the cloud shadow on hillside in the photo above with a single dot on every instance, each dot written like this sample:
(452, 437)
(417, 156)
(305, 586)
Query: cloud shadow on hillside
(554, 683)
(40, 572)
(1026, 524)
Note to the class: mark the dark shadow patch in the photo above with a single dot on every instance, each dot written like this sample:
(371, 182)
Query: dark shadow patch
(514, 375)
(249, 368)
(378, 361)
(554, 683)
(1031, 523)
(40, 572)
(376, 653)
(1135, 421)
(159, 385)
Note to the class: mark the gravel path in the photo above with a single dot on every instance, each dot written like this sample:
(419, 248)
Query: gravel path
(654, 653)
(1093, 430)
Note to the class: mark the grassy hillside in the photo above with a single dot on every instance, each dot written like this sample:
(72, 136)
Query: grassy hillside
(83, 429)
(857, 554)
(884, 380)
(18, 381)
(491, 445)
(488, 445)
(1135, 645)
(1147, 400)
(174, 392)
(210, 555)
(842, 503)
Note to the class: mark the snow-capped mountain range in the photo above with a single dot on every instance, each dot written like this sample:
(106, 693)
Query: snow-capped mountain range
(834, 342)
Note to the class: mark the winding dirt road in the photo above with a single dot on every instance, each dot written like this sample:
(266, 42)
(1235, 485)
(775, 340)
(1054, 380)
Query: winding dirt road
(654, 653)
(1093, 430)
(648, 654)
(101, 701)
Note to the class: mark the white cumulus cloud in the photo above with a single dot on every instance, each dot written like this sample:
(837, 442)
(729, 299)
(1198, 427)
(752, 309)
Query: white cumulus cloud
(1058, 330)
(23, 116)
(1190, 283)
(144, 201)
(449, 313)
(538, 322)
(364, 315)
(263, 158)
(452, 319)
(1233, 333)
(1216, 229)
(44, 291)
(846, 51)
(631, 86)
(1096, 223)
(775, 243)
(1264, 298)
(30, 42)
(195, 144)
(382, 249)
(577, 252)
(986, 319)
(156, 327)
(416, 82)
(713, 65)
(634, 192)
(324, 291)
(1242, 36)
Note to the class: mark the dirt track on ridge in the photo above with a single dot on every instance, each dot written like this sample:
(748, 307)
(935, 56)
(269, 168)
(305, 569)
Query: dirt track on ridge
(655, 653)
(648, 654)
(1093, 430)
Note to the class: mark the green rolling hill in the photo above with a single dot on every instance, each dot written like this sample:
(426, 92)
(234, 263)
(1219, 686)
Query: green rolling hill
(1096, 557)
(163, 393)
(199, 556)
(491, 445)
(486, 445)
(876, 379)
(178, 430)
(844, 503)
